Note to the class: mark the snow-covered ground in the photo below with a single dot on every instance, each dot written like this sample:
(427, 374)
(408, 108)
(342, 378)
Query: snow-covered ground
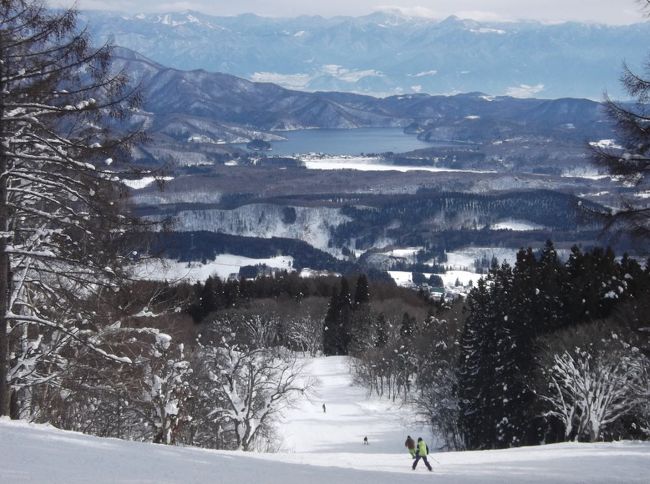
(223, 266)
(351, 415)
(322, 448)
(310, 224)
(406, 253)
(516, 225)
(367, 163)
(141, 183)
(449, 278)
(463, 259)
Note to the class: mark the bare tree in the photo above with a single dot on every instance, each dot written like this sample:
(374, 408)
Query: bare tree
(252, 387)
(587, 392)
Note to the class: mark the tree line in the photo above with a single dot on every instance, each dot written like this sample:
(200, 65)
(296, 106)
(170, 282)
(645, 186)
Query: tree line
(542, 351)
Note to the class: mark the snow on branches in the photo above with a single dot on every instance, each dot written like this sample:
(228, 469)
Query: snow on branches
(61, 214)
(589, 390)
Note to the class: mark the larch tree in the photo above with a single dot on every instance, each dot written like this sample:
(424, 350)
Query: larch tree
(629, 158)
(62, 212)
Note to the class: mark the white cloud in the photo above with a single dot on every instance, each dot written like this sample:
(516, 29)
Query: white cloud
(301, 81)
(524, 90)
(290, 81)
(483, 16)
(425, 73)
(409, 11)
(348, 75)
(416, 88)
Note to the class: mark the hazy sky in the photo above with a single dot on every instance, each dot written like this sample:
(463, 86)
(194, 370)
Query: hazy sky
(604, 11)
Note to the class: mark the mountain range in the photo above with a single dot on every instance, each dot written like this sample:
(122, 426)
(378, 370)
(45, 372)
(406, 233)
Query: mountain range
(387, 53)
(195, 115)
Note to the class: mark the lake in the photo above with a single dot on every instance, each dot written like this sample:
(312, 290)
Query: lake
(346, 141)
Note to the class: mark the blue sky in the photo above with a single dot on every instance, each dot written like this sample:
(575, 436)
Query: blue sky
(601, 11)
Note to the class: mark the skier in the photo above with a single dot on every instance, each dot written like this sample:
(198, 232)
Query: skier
(365, 440)
(410, 445)
(324, 408)
(421, 453)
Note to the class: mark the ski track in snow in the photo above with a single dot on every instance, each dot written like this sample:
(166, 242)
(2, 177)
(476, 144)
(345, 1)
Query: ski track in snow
(327, 449)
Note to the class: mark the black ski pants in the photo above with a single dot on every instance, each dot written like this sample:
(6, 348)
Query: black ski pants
(424, 458)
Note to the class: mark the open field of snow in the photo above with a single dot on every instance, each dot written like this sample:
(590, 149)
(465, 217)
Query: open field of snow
(320, 448)
(463, 259)
(223, 265)
(367, 163)
(145, 181)
(516, 225)
(449, 278)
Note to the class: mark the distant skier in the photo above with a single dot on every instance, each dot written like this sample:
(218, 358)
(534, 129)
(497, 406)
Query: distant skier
(324, 408)
(365, 440)
(421, 453)
(410, 445)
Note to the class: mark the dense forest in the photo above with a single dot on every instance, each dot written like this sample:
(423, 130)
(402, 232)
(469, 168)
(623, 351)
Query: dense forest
(415, 218)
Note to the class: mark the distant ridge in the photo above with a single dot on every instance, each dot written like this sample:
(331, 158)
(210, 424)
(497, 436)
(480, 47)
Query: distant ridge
(387, 53)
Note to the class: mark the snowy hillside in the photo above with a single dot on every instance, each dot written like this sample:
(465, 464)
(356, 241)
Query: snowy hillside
(311, 225)
(321, 448)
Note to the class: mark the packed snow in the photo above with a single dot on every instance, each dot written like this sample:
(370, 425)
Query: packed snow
(349, 416)
(323, 447)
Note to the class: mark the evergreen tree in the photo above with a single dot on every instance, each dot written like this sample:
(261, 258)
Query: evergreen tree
(361, 327)
(477, 371)
(630, 158)
(407, 328)
(381, 333)
(338, 321)
(362, 292)
(331, 327)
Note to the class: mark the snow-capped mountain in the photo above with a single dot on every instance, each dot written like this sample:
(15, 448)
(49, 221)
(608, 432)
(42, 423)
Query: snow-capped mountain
(387, 53)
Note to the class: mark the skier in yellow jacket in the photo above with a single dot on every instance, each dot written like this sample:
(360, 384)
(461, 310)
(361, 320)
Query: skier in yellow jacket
(421, 452)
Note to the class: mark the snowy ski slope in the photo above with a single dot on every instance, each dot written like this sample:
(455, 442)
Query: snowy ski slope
(320, 448)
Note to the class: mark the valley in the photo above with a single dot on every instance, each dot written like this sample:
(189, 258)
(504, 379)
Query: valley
(267, 249)
(352, 175)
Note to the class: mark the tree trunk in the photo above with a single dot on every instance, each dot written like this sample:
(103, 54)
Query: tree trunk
(4, 289)
(4, 259)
